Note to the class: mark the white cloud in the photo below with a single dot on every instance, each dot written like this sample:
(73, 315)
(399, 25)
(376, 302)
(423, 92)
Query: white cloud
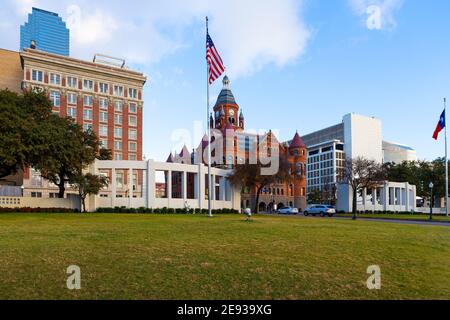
(378, 14)
(254, 33)
(250, 34)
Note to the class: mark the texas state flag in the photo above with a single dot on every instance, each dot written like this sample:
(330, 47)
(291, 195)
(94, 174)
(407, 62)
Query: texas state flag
(440, 126)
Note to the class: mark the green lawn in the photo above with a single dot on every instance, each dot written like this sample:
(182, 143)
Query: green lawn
(416, 217)
(225, 257)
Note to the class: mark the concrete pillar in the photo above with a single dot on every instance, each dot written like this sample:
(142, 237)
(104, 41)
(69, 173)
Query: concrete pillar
(150, 184)
(169, 187)
(184, 185)
(113, 187)
(386, 198)
(130, 187)
(407, 204)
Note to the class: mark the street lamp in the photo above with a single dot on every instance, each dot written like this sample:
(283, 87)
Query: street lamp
(431, 185)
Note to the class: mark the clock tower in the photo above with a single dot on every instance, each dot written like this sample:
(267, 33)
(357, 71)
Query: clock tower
(226, 110)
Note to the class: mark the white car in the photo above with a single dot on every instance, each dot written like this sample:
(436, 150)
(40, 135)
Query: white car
(287, 210)
(319, 209)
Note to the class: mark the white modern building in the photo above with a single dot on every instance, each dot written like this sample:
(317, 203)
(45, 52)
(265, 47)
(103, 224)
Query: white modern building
(356, 136)
(397, 152)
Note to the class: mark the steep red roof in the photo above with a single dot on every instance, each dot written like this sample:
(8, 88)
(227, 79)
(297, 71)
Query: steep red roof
(297, 142)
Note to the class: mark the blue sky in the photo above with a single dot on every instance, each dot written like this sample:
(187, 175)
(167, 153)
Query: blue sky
(293, 65)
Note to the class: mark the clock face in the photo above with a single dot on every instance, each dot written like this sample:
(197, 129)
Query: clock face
(231, 112)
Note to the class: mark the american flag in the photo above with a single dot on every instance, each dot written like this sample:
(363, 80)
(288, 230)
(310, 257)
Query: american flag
(215, 63)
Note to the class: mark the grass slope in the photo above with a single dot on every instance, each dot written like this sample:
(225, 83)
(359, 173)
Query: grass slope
(195, 257)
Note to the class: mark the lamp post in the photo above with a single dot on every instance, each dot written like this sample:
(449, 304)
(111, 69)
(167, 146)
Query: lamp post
(431, 185)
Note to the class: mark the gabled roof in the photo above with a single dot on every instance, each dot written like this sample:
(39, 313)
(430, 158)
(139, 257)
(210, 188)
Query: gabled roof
(170, 158)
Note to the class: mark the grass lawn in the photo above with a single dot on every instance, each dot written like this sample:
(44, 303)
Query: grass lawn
(416, 217)
(196, 257)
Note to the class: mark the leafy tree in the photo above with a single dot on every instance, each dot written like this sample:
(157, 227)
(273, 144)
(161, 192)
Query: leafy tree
(89, 184)
(361, 173)
(69, 151)
(23, 123)
(249, 176)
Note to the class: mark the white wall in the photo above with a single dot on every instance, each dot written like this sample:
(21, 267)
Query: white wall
(363, 137)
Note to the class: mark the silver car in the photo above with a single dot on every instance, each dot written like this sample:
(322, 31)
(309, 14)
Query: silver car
(319, 209)
(287, 210)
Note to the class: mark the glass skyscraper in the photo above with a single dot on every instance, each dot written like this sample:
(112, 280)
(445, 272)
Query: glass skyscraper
(47, 31)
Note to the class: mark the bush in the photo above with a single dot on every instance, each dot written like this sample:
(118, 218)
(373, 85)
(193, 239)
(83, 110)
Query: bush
(38, 210)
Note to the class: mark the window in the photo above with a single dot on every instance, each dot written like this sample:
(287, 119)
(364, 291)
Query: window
(118, 156)
(103, 87)
(132, 121)
(132, 93)
(37, 76)
(103, 116)
(119, 177)
(132, 108)
(55, 79)
(103, 131)
(104, 143)
(87, 101)
(87, 127)
(118, 119)
(118, 91)
(72, 98)
(55, 98)
(117, 132)
(132, 146)
(36, 194)
(118, 106)
(132, 134)
(132, 157)
(88, 85)
(72, 112)
(71, 82)
(103, 103)
(117, 145)
(87, 115)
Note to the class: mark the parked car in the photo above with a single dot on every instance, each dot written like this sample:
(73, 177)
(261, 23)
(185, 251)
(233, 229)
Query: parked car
(320, 209)
(287, 210)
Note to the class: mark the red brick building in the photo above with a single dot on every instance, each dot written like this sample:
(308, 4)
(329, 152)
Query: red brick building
(102, 97)
(238, 146)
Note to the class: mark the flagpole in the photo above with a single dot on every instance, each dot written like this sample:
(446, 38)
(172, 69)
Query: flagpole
(446, 160)
(209, 134)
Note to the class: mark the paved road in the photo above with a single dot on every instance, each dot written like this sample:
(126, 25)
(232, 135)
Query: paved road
(422, 223)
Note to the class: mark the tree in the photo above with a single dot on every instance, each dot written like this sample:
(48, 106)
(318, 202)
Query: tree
(249, 175)
(315, 196)
(69, 151)
(89, 184)
(361, 173)
(23, 123)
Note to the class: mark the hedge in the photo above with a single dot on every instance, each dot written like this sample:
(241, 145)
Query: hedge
(38, 210)
(164, 210)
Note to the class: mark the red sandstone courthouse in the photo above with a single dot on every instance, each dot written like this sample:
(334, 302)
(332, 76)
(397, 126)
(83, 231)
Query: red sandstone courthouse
(239, 146)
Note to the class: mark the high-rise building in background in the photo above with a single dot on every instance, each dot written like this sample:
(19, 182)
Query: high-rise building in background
(45, 31)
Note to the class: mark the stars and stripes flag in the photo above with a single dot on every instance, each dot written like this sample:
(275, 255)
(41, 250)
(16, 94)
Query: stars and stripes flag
(215, 63)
